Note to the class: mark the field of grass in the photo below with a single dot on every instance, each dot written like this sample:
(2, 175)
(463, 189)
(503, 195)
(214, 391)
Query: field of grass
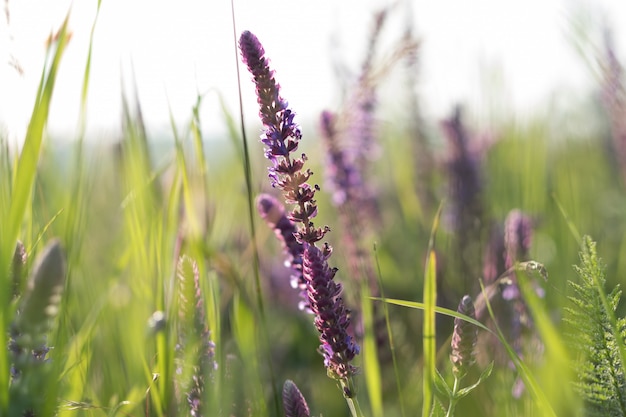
(147, 281)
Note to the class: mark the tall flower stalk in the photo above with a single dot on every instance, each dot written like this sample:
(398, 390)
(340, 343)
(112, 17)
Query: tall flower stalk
(281, 138)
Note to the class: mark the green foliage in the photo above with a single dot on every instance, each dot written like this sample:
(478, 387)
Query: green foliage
(598, 337)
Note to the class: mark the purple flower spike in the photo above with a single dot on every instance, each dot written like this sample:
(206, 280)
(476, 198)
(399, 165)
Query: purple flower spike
(331, 317)
(281, 134)
(281, 138)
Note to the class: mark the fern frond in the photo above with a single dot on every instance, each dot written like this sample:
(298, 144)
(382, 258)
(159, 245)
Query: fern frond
(597, 336)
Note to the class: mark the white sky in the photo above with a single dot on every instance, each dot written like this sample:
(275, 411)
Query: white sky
(177, 49)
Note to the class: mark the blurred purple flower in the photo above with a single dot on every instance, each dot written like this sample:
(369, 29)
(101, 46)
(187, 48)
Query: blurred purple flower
(518, 234)
(465, 213)
(614, 99)
(343, 178)
(464, 174)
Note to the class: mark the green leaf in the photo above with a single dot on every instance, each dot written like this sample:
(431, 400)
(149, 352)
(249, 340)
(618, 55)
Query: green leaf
(483, 376)
(441, 385)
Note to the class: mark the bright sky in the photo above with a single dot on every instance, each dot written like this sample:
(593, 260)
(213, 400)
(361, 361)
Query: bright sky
(177, 49)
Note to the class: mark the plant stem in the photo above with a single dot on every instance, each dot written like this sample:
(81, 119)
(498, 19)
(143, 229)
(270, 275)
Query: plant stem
(453, 398)
(349, 393)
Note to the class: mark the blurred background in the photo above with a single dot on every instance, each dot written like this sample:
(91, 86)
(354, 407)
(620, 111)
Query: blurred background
(494, 56)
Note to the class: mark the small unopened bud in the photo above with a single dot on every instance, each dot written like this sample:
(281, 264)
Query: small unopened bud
(463, 339)
(293, 401)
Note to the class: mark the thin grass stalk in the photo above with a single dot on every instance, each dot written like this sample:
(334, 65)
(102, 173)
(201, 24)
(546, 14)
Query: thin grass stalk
(203, 165)
(255, 251)
(392, 347)
(248, 177)
(190, 211)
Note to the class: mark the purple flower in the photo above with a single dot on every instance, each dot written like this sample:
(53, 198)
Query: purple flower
(331, 317)
(281, 134)
(281, 138)
(273, 212)
(518, 234)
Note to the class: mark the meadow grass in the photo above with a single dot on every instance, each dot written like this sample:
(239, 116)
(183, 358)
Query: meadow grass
(176, 301)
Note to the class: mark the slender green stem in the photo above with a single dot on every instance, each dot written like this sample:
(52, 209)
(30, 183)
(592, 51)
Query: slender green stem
(453, 398)
(349, 393)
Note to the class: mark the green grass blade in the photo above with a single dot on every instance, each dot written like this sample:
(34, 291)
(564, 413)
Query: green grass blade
(440, 310)
(568, 220)
(559, 376)
(373, 378)
(539, 397)
(429, 338)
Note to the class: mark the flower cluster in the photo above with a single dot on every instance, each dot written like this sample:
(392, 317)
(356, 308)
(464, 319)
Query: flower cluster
(281, 137)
